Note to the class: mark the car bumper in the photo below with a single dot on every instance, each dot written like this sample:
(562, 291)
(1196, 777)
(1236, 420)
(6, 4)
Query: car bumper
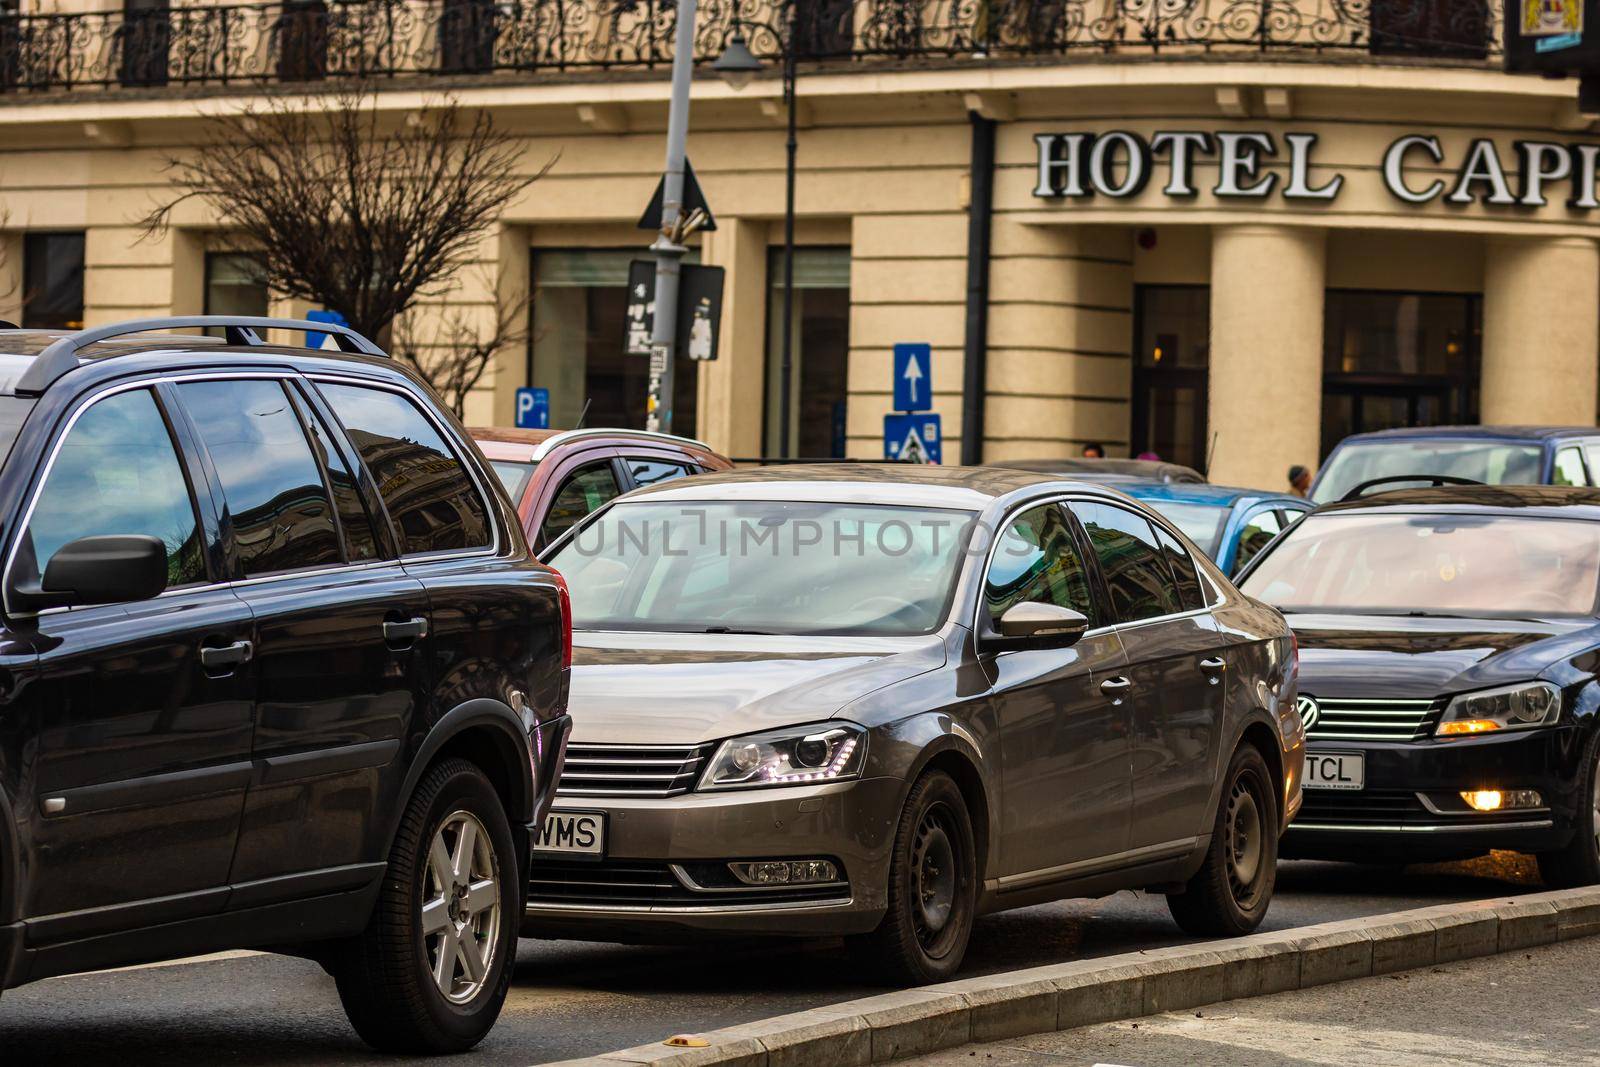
(664, 875)
(1410, 805)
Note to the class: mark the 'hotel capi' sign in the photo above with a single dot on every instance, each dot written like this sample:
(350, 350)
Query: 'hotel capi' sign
(1120, 165)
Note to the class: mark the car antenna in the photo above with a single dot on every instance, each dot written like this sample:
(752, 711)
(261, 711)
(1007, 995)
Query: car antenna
(584, 413)
(1211, 451)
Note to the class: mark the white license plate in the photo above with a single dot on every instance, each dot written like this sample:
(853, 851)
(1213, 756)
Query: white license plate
(573, 833)
(1335, 770)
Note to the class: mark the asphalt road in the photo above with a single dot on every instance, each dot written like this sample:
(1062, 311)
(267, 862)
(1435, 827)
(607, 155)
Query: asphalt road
(572, 999)
(1522, 1010)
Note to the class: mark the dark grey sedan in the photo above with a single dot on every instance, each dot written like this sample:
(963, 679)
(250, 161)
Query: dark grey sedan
(880, 701)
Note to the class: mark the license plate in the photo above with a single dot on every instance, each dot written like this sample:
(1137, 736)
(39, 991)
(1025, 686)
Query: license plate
(1335, 770)
(573, 833)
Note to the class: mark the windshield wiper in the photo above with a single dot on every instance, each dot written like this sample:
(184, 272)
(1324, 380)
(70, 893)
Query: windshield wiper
(735, 630)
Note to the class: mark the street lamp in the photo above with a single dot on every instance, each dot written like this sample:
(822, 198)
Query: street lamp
(737, 65)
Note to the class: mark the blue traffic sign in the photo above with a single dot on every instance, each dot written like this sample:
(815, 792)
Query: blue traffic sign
(317, 339)
(913, 439)
(913, 377)
(533, 409)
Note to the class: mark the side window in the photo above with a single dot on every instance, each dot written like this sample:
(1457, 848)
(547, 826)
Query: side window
(360, 540)
(1140, 584)
(584, 491)
(1569, 467)
(1036, 562)
(650, 471)
(1184, 571)
(428, 493)
(117, 472)
(1592, 450)
(1255, 535)
(282, 517)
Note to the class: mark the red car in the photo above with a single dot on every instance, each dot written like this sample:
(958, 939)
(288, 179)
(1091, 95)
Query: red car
(556, 477)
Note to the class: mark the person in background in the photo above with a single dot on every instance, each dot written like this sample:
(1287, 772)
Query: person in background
(1299, 480)
(1094, 450)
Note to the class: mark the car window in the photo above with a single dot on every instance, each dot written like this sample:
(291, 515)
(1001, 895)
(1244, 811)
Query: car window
(1184, 571)
(584, 491)
(651, 471)
(1490, 462)
(429, 494)
(117, 472)
(1256, 534)
(1036, 561)
(513, 474)
(360, 535)
(1569, 467)
(282, 515)
(1137, 577)
(1592, 451)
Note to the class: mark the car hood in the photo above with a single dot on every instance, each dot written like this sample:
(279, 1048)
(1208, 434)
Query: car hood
(1373, 656)
(653, 688)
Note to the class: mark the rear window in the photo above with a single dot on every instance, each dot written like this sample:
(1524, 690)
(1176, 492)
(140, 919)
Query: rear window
(513, 474)
(1489, 462)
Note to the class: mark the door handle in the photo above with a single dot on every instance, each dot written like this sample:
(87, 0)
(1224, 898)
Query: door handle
(404, 631)
(214, 658)
(1213, 668)
(1115, 688)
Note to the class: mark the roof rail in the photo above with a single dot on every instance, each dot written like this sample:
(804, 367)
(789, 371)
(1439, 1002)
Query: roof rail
(61, 355)
(1435, 481)
(544, 448)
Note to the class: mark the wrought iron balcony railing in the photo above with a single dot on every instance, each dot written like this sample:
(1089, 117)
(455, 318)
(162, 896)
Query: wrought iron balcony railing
(152, 43)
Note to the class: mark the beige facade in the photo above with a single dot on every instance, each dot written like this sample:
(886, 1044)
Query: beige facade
(885, 172)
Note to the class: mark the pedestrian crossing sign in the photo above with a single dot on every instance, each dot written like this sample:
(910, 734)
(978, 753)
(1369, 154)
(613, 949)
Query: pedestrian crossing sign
(913, 438)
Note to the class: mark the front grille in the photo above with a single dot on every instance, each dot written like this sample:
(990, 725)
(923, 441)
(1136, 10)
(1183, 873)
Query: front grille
(630, 770)
(1373, 720)
(1368, 807)
(643, 884)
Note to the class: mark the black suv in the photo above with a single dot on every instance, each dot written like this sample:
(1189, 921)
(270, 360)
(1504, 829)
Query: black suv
(276, 671)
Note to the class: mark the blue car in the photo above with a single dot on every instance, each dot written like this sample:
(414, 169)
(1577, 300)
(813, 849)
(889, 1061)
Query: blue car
(1230, 525)
(1493, 455)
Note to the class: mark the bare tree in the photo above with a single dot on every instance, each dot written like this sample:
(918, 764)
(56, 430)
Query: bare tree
(350, 209)
(453, 348)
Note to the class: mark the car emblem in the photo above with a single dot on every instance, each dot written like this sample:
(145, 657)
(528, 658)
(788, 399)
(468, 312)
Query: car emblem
(1309, 709)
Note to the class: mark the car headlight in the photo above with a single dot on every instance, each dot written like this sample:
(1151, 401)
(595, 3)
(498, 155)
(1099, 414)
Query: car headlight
(823, 752)
(1511, 707)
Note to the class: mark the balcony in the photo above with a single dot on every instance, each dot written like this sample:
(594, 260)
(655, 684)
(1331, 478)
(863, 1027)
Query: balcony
(150, 44)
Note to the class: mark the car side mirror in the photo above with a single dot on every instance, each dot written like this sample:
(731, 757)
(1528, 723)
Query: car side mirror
(1034, 625)
(109, 569)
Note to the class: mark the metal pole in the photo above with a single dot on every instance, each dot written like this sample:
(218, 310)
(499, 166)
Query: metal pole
(786, 372)
(668, 252)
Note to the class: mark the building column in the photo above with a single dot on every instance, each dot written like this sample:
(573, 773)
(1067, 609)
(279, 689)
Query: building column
(1265, 406)
(1541, 330)
(731, 399)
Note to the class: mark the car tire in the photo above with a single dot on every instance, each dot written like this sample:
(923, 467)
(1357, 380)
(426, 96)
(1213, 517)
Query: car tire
(432, 969)
(1579, 863)
(1229, 894)
(933, 889)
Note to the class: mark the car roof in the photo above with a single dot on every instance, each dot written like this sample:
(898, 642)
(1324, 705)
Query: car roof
(1137, 468)
(540, 443)
(1507, 433)
(1564, 500)
(1194, 493)
(905, 484)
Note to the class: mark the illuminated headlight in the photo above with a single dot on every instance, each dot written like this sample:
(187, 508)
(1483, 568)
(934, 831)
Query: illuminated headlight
(827, 752)
(1502, 799)
(1512, 707)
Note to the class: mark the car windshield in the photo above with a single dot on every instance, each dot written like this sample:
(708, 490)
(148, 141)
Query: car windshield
(764, 567)
(1200, 523)
(513, 475)
(1489, 462)
(1451, 564)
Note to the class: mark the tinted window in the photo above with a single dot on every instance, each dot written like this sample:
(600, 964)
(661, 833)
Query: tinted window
(117, 473)
(651, 471)
(584, 491)
(1256, 535)
(1141, 587)
(1036, 562)
(1569, 468)
(282, 517)
(428, 493)
(1184, 572)
(359, 536)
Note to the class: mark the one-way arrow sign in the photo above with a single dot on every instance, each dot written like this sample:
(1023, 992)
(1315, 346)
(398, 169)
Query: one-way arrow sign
(692, 198)
(913, 373)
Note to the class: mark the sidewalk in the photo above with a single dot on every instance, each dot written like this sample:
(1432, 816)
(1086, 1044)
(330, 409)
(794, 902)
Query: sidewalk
(1537, 1006)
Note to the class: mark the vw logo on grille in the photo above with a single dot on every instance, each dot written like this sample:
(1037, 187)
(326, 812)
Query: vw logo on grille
(1309, 709)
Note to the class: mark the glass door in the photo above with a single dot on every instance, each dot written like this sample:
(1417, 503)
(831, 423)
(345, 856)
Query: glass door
(1172, 357)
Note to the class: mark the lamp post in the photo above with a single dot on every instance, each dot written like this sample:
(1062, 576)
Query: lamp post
(737, 65)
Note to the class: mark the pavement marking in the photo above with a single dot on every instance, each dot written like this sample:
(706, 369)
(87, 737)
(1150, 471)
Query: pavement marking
(1343, 1044)
(236, 954)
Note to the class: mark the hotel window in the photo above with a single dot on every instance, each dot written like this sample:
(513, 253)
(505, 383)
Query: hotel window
(1435, 28)
(234, 285)
(579, 336)
(52, 280)
(820, 352)
(146, 42)
(1171, 368)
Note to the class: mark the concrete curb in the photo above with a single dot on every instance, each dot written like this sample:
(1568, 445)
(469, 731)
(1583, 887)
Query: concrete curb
(1066, 995)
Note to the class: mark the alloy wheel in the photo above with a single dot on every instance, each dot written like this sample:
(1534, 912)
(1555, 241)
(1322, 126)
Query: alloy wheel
(1245, 842)
(461, 907)
(935, 881)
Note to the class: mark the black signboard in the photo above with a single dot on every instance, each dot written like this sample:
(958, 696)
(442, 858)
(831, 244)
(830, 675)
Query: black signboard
(699, 309)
